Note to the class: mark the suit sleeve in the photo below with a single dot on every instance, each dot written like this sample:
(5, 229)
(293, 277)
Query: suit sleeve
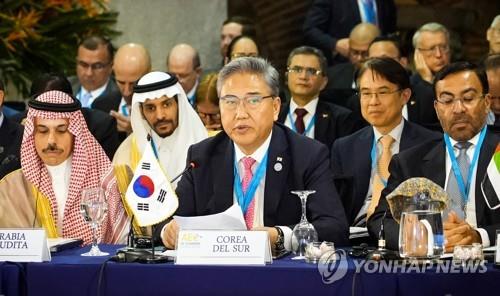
(325, 208)
(391, 227)
(316, 26)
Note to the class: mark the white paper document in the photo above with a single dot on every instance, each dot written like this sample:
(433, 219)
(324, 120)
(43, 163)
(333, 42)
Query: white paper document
(231, 219)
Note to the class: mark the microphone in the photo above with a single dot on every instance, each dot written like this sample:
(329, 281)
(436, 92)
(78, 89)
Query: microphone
(190, 166)
(381, 253)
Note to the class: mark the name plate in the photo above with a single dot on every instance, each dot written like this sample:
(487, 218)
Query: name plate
(23, 245)
(216, 247)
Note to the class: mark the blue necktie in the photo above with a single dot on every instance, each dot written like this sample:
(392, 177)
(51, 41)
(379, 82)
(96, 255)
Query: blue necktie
(456, 199)
(85, 99)
(369, 9)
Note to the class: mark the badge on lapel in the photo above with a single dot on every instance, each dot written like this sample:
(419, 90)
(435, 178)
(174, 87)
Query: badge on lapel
(278, 166)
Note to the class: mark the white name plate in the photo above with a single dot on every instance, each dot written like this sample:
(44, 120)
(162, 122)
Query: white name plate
(216, 247)
(23, 245)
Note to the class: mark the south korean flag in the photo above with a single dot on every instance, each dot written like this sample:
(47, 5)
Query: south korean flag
(150, 195)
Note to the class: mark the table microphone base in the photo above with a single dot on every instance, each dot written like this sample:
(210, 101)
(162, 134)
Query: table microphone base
(154, 259)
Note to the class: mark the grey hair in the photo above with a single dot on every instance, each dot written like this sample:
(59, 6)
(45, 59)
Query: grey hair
(430, 27)
(250, 65)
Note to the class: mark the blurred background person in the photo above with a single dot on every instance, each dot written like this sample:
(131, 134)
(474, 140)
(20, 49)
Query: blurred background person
(207, 104)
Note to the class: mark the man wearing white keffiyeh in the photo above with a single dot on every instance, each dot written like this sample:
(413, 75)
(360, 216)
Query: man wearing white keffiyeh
(60, 158)
(162, 117)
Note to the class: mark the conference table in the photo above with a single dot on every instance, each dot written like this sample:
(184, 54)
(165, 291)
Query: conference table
(68, 273)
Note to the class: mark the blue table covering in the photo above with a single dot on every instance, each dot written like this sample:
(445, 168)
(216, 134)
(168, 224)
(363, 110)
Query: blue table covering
(71, 274)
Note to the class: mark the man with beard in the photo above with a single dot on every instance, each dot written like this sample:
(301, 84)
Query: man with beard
(162, 117)
(456, 162)
(60, 158)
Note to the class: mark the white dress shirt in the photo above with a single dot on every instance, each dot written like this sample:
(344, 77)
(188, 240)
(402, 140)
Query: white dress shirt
(311, 110)
(395, 133)
(95, 93)
(470, 215)
(60, 175)
(258, 218)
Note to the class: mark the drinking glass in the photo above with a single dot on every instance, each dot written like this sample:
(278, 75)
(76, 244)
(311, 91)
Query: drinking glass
(94, 208)
(304, 232)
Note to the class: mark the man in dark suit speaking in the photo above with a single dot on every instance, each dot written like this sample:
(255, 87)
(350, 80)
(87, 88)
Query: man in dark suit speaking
(256, 162)
(457, 161)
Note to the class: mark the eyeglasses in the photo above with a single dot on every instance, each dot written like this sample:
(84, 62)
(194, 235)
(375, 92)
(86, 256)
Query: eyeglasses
(432, 50)
(366, 95)
(95, 66)
(230, 102)
(467, 100)
(212, 116)
(309, 71)
(244, 54)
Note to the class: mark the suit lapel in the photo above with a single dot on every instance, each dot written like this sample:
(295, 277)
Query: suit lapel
(362, 163)
(223, 197)
(433, 164)
(278, 167)
(323, 116)
(283, 112)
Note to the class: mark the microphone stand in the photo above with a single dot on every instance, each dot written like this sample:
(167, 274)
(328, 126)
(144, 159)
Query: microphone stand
(153, 258)
(381, 253)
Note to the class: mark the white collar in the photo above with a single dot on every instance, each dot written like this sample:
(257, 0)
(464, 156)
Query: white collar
(60, 170)
(96, 92)
(310, 107)
(1, 118)
(395, 133)
(258, 154)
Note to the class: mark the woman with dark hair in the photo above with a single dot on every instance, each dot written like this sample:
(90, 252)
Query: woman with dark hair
(241, 46)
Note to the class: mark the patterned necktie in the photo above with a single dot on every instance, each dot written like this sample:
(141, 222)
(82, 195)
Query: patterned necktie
(247, 178)
(85, 99)
(299, 121)
(457, 202)
(382, 172)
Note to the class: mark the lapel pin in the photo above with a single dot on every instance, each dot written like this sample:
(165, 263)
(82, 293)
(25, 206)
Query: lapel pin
(278, 166)
(279, 158)
(325, 115)
(413, 102)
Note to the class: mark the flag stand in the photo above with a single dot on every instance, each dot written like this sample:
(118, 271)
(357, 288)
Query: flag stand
(153, 258)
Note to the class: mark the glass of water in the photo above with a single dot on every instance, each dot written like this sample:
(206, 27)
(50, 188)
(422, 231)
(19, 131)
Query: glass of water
(94, 208)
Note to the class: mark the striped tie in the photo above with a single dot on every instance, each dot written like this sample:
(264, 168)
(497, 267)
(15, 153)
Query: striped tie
(247, 178)
(382, 172)
(456, 201)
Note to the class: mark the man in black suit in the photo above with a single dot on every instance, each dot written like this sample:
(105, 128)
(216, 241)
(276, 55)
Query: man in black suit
(419, 111)
(329, 22)
(384, 90)
(432, 53)
(96, 88)
(341, 84)
(462, 104)
(267, 154)
(11, 135)
(305, 113)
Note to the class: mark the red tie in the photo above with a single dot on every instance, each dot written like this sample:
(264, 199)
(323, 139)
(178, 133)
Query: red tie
(247, 178)
(299, 121)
